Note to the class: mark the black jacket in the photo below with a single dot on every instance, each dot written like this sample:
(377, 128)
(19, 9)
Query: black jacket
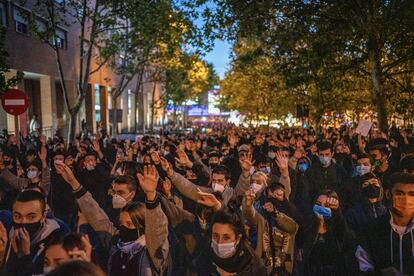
(386, 248)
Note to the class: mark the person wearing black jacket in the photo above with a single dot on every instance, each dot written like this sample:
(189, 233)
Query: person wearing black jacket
(369, 208)
(325, 174)
(324, 241)
(95, 178)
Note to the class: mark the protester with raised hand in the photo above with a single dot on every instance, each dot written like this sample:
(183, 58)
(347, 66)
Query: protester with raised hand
(220, 178)
(142, 247)
(325, 243)
(275, 233)
(37, 172)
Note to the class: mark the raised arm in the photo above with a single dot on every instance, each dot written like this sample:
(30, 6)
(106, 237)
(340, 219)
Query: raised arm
(183, 185)
(244, 180)
(156, 222)
(95, 216)
(282, 162)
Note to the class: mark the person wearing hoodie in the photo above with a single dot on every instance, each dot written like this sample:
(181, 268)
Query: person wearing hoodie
(30, 234)
(142, 246)
(388, 243)
(369, 208)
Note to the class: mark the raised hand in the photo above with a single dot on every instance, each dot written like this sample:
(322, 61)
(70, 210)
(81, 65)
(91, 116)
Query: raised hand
(282, 162)
(148, 181)
(95, 146)
(246, 164)
(332, 203)
(167, 167)
(67, 175)
(183, 159)
(249, 197)
(209, 200)
(85, 254)
(43, 154)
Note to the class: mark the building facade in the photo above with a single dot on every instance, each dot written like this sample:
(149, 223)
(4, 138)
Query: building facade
(42, 85)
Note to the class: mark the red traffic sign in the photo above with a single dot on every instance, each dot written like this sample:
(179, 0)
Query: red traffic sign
(15, 102)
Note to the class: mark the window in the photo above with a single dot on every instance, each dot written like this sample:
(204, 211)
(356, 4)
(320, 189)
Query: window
(97, 102)
(60, 1)
(60, 38)
(3, 15)
(21, 22)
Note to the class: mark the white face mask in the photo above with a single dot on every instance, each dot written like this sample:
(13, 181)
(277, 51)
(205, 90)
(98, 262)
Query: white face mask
(118, 202)
(223, 250)
(31, 174)
(256, 187)
(47, 269)
(90, 167)
(218, 187)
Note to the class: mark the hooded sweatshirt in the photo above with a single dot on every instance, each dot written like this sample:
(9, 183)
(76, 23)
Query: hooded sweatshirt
(33, 263)
(387, 245)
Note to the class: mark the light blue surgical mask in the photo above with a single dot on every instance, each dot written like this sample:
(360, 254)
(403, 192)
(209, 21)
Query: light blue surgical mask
(361, 170)
(265, 170)
(321, 211)
(303, 167)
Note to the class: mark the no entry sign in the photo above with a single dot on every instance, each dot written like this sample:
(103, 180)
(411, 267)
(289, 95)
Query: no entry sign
(15, 102)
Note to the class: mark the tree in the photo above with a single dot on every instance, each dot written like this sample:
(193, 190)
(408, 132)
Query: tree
(315, 42)
(94, 21)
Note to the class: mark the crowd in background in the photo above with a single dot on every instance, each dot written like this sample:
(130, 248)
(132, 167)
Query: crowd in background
(234, 201)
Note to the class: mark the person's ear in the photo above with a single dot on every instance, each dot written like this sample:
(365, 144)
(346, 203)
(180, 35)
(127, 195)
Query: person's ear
(227, 182)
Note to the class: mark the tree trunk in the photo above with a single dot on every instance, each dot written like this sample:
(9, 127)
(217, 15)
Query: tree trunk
(154, 86)
(378, 86)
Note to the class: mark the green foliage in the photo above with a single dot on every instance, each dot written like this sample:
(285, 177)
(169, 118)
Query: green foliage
(331, 54)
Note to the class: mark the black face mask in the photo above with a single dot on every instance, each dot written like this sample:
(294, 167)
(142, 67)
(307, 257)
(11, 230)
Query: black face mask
(31, 228)
(371, 191)
(128, 235)
(6, 162)
(213, 165)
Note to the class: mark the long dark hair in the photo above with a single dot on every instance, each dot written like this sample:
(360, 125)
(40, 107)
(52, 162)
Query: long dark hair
(136, 211)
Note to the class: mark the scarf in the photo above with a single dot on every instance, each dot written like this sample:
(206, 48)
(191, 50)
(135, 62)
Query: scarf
(234, 264)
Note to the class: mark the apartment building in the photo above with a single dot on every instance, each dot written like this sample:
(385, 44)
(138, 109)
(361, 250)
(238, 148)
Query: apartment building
(43, 88)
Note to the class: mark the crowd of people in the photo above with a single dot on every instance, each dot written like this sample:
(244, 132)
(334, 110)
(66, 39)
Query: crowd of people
(234, 201)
